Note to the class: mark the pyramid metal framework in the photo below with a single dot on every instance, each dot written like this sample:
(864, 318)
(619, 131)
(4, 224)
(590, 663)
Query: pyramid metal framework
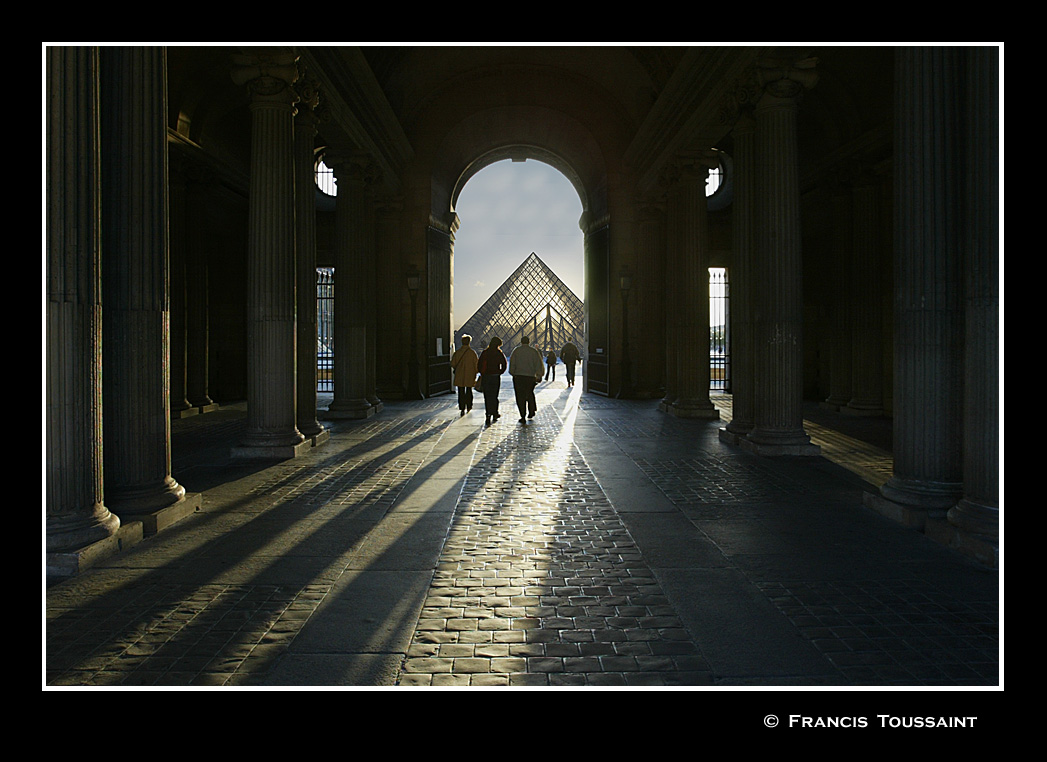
(532, 302)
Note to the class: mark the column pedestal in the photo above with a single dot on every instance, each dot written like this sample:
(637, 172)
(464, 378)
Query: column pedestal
(778, 282)
(272, 431)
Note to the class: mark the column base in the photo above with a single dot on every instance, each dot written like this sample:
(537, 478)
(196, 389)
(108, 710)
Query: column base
(732, 436)
(161, 519)
(912, 516)
(354, 409)
(134, 501)
(831, 405)
(72, 532)
(68, 563)
(271, 452)
(974, 529)
(314, 431)
(210, 407)
(376, 404)
(862, 410)
(775, 450)
(188, 412)
(775, 443)
(694, 409)
(922, 494)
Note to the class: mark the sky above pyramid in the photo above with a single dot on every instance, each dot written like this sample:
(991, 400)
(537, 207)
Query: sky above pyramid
(507, 211)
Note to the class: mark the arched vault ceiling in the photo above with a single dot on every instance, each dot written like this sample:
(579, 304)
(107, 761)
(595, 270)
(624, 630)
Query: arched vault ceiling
(414, 78)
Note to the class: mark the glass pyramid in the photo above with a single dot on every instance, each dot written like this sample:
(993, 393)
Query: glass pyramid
(532, 302)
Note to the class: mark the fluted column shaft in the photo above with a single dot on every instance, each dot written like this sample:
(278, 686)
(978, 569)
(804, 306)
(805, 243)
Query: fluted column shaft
(305, 240)
(841, 330)
(928, 334)
(75, 511)
(370, 286)
(197, 286)
(978, 512)
(650, 293)
(692, 365)
(742, 276)
(271, 281)
(672, 292)
(350, 299)
(177, 241)
(778, 301)
(136, 388)
(866, 343)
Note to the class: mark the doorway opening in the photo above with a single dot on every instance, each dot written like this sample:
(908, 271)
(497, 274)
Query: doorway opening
(719, 331)
(511, 214)
(325, 329)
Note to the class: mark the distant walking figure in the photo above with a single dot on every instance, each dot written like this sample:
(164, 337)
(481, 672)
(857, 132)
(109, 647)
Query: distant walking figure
(464, 362)
(525, 366)
(491, 366)
(550, 364)
(570, 355)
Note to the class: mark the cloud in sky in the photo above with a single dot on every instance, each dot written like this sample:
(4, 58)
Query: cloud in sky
(508, 210)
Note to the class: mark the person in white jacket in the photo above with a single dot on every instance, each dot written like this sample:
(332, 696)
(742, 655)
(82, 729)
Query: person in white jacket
(526, 368)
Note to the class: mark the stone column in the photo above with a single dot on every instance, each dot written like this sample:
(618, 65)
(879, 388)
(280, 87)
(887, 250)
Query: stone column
(371, 286)
(136, 388)
(692, 400)
(866, 342)
(650, 301)
(200, 186)
(392, 314)
(672, 288)
(75, 511)
(741, 277)
(778, 298)
(928, 310)
(976, 516)
(350, 321)
(180, 405)
(305, 238)
(841, 331)
(272, 430)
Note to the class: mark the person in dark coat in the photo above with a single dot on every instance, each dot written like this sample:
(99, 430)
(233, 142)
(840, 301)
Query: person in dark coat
(492, 365)
(550, 365)
(570, 355)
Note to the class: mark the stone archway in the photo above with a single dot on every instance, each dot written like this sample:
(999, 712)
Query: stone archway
(594, 247)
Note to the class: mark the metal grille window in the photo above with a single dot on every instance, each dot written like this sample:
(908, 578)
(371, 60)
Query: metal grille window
(325, 329)
(325, 179)
(719, 331)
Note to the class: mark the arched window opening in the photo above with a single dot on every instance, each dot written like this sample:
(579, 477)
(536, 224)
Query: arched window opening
(325, 329)
(519, 242)
(325, 178)
(719, 331)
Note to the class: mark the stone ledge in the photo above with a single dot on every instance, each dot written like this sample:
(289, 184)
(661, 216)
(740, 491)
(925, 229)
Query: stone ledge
(273, 452)
(157, 521)
(69, 563)
(775, 450)
(934, 524)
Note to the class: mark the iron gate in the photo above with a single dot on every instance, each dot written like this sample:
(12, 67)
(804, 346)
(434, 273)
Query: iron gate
(719, 331)
(325, 329)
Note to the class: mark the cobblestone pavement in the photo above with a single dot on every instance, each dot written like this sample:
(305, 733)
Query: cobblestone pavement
(601, 544)
(540, 583)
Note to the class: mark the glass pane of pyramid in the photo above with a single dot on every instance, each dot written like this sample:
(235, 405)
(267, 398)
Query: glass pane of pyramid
(532, 302)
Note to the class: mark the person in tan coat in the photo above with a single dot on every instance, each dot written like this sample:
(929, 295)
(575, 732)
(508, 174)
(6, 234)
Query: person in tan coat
(463, 362)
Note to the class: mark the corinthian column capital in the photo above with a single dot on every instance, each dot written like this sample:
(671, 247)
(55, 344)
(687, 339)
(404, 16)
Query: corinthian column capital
(786, 76)
(307, 88)
(268, 73)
